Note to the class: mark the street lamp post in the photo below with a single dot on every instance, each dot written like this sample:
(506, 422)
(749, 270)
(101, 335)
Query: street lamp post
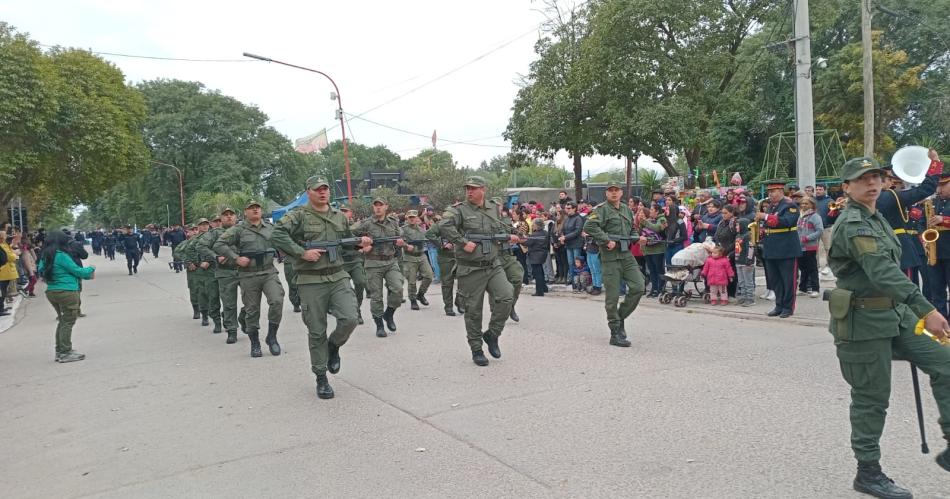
(181, 187)
(339, 112)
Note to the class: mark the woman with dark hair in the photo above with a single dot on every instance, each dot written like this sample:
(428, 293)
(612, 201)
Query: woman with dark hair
(62, 277)
(539, 245)
(653, 227)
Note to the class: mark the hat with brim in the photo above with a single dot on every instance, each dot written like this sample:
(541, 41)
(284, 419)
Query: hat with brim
(412, 213)
(199, 222)
(475, 181)
(252, 203)
(775, 184)
(380, 200)
(227, 209)
(857, 167)
(613, 184)
(316, 182)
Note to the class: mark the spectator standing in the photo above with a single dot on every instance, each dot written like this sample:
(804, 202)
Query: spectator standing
(653, 227)
(28, 262)
(62, 277)
(571, 235)
(709, 220)
(539, 244)
(560, 251)
(745, 264)
(810, 229)
(725, 237)
(822, 202)
(718, 273)
(8, 272)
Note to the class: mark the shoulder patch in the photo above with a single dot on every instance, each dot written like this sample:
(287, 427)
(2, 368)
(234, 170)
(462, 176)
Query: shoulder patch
(793, 210)
(863, 232)
(592, 216)
(864, 244)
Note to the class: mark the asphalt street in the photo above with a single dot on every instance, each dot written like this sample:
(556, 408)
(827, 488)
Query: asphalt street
(709, 402)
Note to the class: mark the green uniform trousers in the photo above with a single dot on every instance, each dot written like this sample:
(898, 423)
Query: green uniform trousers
(252, 287)
(291, 276)
(377, 278)
(473, 283)
(316, 301)
(192, 288)
(228, 291)
(208, 299)
(515, 274)
(624, 269)
(447, 271)
(413, 271)
(358, 276)
(66, 304)
(866, 366)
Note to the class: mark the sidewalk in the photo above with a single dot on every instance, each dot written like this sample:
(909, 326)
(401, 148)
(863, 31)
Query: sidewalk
(8, 321)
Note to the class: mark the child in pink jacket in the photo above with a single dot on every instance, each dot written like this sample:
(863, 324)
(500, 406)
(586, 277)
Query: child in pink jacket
(718, 273)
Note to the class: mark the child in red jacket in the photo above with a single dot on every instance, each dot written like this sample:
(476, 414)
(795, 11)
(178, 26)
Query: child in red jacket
(718, 273)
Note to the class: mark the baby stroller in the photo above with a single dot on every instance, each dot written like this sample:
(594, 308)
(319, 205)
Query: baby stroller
(686, 267)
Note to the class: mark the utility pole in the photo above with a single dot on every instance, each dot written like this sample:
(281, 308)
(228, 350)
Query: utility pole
(629, 173)
(868, 78)
(804, 114)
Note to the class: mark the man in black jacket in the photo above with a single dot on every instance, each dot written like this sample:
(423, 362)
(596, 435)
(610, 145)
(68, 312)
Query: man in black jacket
(571, 236)
(130, 242)
(77, 251)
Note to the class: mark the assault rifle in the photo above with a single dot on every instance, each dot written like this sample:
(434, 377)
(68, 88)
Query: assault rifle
(333, 247)
(176, 263)
(485, 241)
(624, 241)
(258, 256)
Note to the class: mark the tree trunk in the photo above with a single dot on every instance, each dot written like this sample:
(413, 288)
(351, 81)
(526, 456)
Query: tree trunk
(667, 165)
(629, 173)
(578, 181)
(692, 156)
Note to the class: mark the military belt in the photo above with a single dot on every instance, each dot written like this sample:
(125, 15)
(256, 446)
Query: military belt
(328, 271)
(779, 231)
(487, 263)
(873, 303)
(911, 232)
(382, 258)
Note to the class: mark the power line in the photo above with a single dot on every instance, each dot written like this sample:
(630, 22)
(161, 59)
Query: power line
(155, 57)
(417, 134)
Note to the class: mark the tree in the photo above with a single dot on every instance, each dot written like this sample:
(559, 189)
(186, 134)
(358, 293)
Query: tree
(432, 158)
(443, 186)
(68, 122)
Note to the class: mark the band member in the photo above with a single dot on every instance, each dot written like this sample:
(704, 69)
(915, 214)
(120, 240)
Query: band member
(781, 247)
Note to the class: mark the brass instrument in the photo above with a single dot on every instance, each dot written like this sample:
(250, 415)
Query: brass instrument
(754, 234)
(929, 237)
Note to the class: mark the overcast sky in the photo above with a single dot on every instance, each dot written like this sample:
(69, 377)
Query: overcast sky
(375, 50)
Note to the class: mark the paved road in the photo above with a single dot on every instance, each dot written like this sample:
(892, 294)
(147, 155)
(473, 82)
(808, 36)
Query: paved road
(704, 405)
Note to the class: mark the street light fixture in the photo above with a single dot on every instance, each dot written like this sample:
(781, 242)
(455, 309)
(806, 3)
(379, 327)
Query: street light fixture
(339, 114)
(181, 187)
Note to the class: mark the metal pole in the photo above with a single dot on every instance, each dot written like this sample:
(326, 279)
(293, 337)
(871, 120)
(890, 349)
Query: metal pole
(339, 100)
(868, 70)
(804, 114)
(181, 187)
(628, 172)
(924, 449)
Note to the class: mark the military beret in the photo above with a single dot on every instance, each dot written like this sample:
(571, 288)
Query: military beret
(317, 181)
(475, 181)
(856, 167)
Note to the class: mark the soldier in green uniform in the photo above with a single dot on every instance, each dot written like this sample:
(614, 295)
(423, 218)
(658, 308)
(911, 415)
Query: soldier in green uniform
(874, 311)
(416, 261)
(467, 225)
(226, 274)
(611, 227)
(353, 261)
(512, 267)
(248, 245)
(382, 266)
(179, 255)
(322, 283)
(446, 259)
(219, 269)
(203, 274)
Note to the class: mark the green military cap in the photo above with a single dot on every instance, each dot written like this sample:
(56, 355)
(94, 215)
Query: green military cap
(475, 181)
(216, 218)
(202, 220)
(412, 213)
(317, 181)
(380, 199)
(253, 202)
(614, 184)
(856, 167)
(227, 209)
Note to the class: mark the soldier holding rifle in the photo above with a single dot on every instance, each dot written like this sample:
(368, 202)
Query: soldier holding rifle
(323, 283)
(382, 266)
(875, 311)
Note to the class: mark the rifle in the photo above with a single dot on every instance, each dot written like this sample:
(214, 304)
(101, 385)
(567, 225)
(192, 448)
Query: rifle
(333, 247)
(176, 263)
(485, 241)
(258, 256)
(623, 240)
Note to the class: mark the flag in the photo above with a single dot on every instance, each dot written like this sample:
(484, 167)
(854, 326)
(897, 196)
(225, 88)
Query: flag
(312, 143)
(434, 139)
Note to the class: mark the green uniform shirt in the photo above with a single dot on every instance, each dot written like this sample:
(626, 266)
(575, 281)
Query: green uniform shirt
(306, 224)
(190, 253)
(865, 257)
(606, 221)
(381, 253)
(436, 238)
(414, 233)
(206, 251)
(466, 218)
(245, 239)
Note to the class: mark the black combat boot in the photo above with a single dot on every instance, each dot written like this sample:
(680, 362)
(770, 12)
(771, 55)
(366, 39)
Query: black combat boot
(479, 358)
(422, 299)
(380, 330)
(458, 305)
(204, 319)
(271, 338)
(197, 312)
(255, 344)
(449, 311)
(297, 308)
(388, 317)
(871, 480)
(333, 362)
(359, 317)
(412, 304)
(324, 390)
(492, 342)
(514, 315)
(622, 331)
(217, 326)
(943, 459)
(617, 340)
(232, 336)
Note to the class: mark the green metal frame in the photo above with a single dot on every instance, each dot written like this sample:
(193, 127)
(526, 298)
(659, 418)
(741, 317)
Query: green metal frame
(780, 158)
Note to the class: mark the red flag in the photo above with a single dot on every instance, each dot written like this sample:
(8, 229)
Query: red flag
(434, 139)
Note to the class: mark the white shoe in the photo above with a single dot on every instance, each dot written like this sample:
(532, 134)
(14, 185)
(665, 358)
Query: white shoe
(770, 296)
(825, 271)
(813, 294)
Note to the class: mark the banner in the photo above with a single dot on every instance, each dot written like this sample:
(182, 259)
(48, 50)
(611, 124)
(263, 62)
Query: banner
(312, 143)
